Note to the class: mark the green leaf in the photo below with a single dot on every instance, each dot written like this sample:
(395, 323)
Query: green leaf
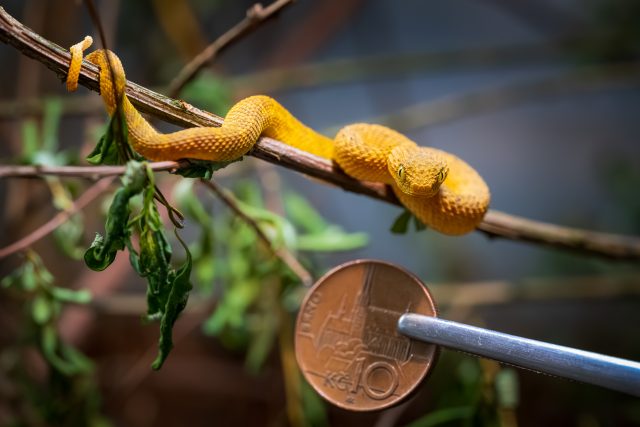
(507, 385)
(75, 359)
(232, 307)
(209, 92)
(302, 214)
(103, 250)
(153, 263)
(69, 235)
(184, 196)
(177, 301)
(65, 295)
(105, 152)
(100, 255)
(30, 139)
(50, 124)
(262, 340)
(29, 278)
(112, 143)
(443, 416)
(49, 342)
(401, 224)
(331, 240)
(419, 225)
(202, 168)
(315, 409)
(41, 310)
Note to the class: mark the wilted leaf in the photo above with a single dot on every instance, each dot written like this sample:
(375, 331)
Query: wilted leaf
(177, 301)
(103, 250)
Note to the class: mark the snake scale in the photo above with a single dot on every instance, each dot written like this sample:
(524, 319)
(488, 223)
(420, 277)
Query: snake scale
(440, 189)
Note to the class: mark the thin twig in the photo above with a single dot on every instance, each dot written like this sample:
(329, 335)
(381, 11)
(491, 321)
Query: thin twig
(90, 172)
(94, 191)
(281, 252)
(495, 224)
(255, 15)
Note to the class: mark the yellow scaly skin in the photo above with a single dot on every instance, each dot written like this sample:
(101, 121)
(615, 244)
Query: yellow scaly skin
(440, 189)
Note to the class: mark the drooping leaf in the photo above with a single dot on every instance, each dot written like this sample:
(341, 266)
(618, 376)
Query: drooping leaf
(176, 302)
(154, 265)
(103, 250)
(401, 223)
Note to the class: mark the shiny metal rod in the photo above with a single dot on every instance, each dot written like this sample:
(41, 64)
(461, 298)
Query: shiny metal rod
(593, 368)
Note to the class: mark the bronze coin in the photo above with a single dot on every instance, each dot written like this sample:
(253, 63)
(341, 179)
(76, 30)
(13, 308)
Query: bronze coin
(346, 338)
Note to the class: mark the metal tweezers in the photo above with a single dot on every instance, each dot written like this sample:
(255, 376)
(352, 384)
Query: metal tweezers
(592, 368)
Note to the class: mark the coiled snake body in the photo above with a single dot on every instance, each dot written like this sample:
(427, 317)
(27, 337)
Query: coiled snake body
(440, 189)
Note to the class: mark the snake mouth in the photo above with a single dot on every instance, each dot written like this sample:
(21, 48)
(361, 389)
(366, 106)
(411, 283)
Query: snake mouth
(421, 192)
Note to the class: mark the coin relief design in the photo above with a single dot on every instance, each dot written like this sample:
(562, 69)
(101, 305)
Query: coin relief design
(346, 340)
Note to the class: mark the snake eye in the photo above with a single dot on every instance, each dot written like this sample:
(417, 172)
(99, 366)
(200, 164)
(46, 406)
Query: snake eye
(401, 172)
(441, 176)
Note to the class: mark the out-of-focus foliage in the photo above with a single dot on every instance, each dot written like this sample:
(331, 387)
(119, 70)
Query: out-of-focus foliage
(208, 92)
(68, 395)
(258, 295)
(255, 283)
(41, 147)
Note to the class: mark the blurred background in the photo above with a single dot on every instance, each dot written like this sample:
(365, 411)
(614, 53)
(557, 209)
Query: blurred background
(541, 97)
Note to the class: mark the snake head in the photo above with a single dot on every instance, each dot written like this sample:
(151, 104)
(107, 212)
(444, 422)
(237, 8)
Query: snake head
(418, 171)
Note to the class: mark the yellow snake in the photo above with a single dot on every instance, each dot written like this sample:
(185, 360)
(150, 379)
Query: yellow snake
(440, 189)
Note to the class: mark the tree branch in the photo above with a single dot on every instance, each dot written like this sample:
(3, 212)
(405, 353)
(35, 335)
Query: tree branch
(495, 224)
(88, 172)
(60, 218)
(255, 15)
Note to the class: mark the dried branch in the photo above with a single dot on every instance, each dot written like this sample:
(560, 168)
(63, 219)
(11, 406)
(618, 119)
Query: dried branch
(281, 252)
(89, 172)
(255, 15)
(94, 191)
(495, 224)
